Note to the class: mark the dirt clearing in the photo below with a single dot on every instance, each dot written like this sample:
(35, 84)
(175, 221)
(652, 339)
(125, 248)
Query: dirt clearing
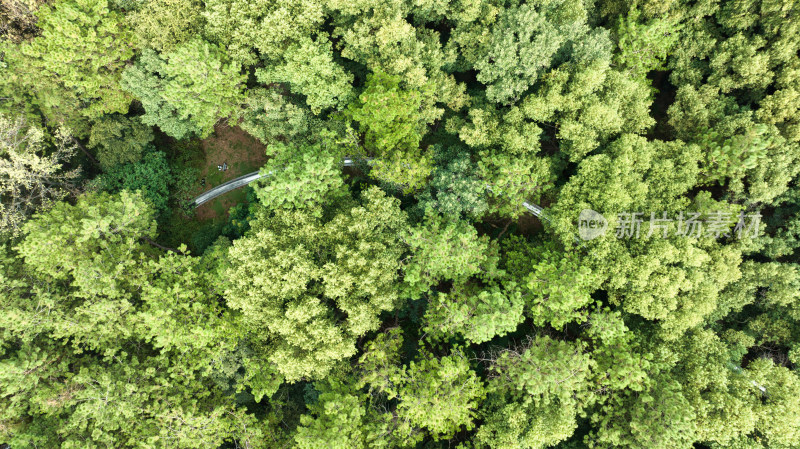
(242, 153)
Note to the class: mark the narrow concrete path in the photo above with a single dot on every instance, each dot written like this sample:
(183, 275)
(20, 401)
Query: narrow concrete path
(226, 187)
(347, 162)
(240, 182)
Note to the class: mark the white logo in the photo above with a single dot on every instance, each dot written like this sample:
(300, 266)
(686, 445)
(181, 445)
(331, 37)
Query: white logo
(591, 224)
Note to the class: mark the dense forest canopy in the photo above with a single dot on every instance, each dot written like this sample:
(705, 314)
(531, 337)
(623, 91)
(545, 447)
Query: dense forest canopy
(408, 300)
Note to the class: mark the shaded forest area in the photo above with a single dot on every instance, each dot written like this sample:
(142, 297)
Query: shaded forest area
(409, 301)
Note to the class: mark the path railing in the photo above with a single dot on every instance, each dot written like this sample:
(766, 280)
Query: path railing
(347, 162)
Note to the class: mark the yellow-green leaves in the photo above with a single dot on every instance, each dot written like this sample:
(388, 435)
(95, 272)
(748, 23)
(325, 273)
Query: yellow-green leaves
(309, 287)
(310, 70)
(389, 116)
(32, 173)
(440, 394)
(443, 250)
(96, 242)
(188, 90)
(72, 70)
(304, 178)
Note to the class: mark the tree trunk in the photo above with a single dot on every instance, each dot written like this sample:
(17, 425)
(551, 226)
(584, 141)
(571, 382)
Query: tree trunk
(85, 151)
(151, 242)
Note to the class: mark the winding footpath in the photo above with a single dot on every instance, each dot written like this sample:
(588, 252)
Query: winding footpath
(347, 162)
(226, 187)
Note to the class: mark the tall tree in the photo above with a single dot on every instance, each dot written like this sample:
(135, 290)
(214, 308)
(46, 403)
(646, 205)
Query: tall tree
(526, 40)
(151, 176)
(437, 394)
(735, 80)
(308, 285)
(443, 250)
(33, 174)
(542, 381)
(119, 139)
(290, 40)
(304, 178)
(389, 116)
(186, 91)
(72, 70)
(164, 24)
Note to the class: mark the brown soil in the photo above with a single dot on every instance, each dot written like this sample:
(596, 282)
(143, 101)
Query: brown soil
(527, 224)
(242, 152)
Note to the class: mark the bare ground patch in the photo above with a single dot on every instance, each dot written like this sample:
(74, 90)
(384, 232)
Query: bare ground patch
(242, 152)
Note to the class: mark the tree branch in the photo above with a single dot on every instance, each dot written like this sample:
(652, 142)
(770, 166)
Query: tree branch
(151, 242)
(85, 151)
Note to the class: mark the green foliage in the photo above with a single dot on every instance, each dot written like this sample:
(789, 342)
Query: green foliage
(295, 272)
(339, 421)
(783, 226)
(380, 364)
(239, 216)
(675, 280)
(407, 175)
(659, 416)
(525, 426)
(632, 175)
(443, 250)
(125, 352)
(544, 369)
(271, 116)
(32, 172)
(455, 190)
(725, 402)
(141, 412)
(151, 176)
(540, 380)
(267, 27)
(735, 74)
(306, 182)
(556, 285)
(119, 139)
(645, 45)
(528, 39)
(440, 394)
(479, 314)
(71, 71)
(287, 36)
(89, 242)
(778, 427)
(590, 104)
(382, 38)
(620, 362)
(164, 24)
(389, 116)
(323, 313)
(310, 70)
(187, 90)
(730, 158)
(82, 262)
(754, 160)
